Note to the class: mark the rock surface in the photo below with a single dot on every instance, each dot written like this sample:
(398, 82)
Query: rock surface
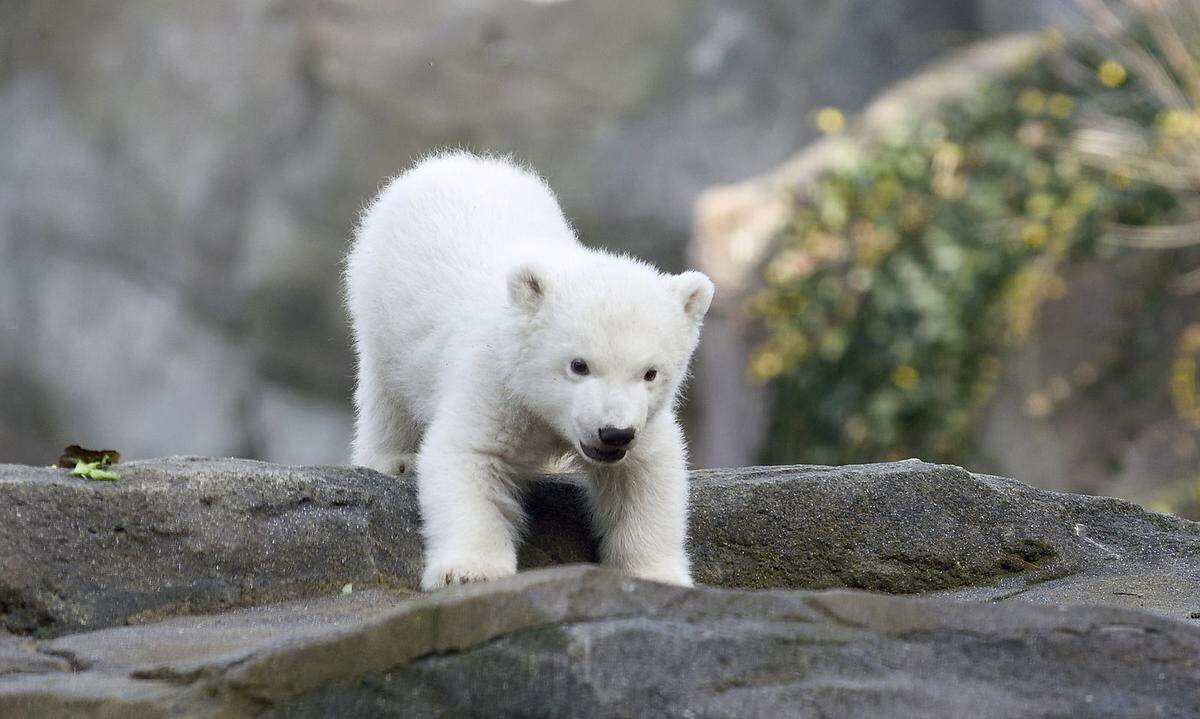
(19, 655)
(589, 643)
(190, 535)
(292, 587)
(909, 527)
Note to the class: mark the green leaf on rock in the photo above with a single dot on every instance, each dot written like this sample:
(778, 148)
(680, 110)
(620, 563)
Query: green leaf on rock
(94, 471)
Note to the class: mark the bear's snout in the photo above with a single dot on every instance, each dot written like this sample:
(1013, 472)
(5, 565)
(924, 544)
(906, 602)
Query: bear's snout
(613, 437)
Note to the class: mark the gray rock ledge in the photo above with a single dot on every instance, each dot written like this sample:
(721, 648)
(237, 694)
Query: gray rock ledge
(192, 535)
(585, 642)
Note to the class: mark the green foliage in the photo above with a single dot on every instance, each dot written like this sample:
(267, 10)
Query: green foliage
(905, 274)
(95, 471)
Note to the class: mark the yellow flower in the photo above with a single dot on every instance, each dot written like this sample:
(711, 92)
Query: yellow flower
(1063, 220)
(1034, 235)
(945, 164)
(766, 366)
(1031, 101)
(1189, 341)
(1175, 123)
(906, 377)
(830, 120)
(1060, 106)
(888, 190)
(833, 345)
(1183, 389)
(1084, 194)
(758, 306)
(792, 343)
(1111, 73)
(947, 158)
(1183, 376)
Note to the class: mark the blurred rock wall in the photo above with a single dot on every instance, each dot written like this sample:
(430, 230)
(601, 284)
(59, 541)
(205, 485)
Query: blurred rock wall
(178, 179)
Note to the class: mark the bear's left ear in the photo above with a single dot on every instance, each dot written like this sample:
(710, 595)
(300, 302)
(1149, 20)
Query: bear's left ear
(527, 287)
(695, 291)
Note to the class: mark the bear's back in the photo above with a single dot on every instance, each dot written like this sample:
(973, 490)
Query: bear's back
(427, 271)
(467, 206)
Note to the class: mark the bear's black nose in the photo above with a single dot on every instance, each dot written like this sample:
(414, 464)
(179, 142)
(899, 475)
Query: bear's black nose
(613, 437)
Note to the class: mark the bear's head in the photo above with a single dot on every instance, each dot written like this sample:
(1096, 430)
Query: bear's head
(603, 347)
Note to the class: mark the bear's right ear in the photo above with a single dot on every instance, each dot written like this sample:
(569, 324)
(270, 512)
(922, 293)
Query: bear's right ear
(527, 287)
(695, 290)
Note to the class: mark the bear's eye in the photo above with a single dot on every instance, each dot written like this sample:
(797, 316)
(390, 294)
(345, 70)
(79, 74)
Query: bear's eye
(650, 374)
(579, 367)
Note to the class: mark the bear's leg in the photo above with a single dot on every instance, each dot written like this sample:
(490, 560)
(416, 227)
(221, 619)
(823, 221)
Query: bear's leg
(385, 436)
(470, 509)
(640, 507)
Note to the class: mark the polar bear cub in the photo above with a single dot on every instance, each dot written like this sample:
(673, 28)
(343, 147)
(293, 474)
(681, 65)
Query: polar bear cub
(491, 343)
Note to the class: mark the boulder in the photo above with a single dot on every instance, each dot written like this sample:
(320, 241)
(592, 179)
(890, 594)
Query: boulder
(586, 642)
(913, 527)
(193, 535)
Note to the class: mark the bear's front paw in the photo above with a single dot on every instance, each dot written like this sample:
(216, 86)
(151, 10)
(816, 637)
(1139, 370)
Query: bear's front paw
(393, 463)
(449, 573)
(666, 575)
(668, 570)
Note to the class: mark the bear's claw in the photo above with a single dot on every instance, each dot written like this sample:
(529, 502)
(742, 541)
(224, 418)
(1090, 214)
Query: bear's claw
(465, 573)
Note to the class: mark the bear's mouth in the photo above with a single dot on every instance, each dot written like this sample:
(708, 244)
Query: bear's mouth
(598, 454)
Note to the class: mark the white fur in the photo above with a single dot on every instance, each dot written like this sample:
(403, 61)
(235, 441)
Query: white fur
(470, 297)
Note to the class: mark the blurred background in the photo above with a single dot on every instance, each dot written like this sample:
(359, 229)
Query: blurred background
(953, 229)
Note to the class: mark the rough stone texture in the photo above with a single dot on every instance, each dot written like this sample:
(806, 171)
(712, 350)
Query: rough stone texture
(910, 526)
(586, 642)
(19, 655)
(192, 535)
(189, 535)
(180, 178)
